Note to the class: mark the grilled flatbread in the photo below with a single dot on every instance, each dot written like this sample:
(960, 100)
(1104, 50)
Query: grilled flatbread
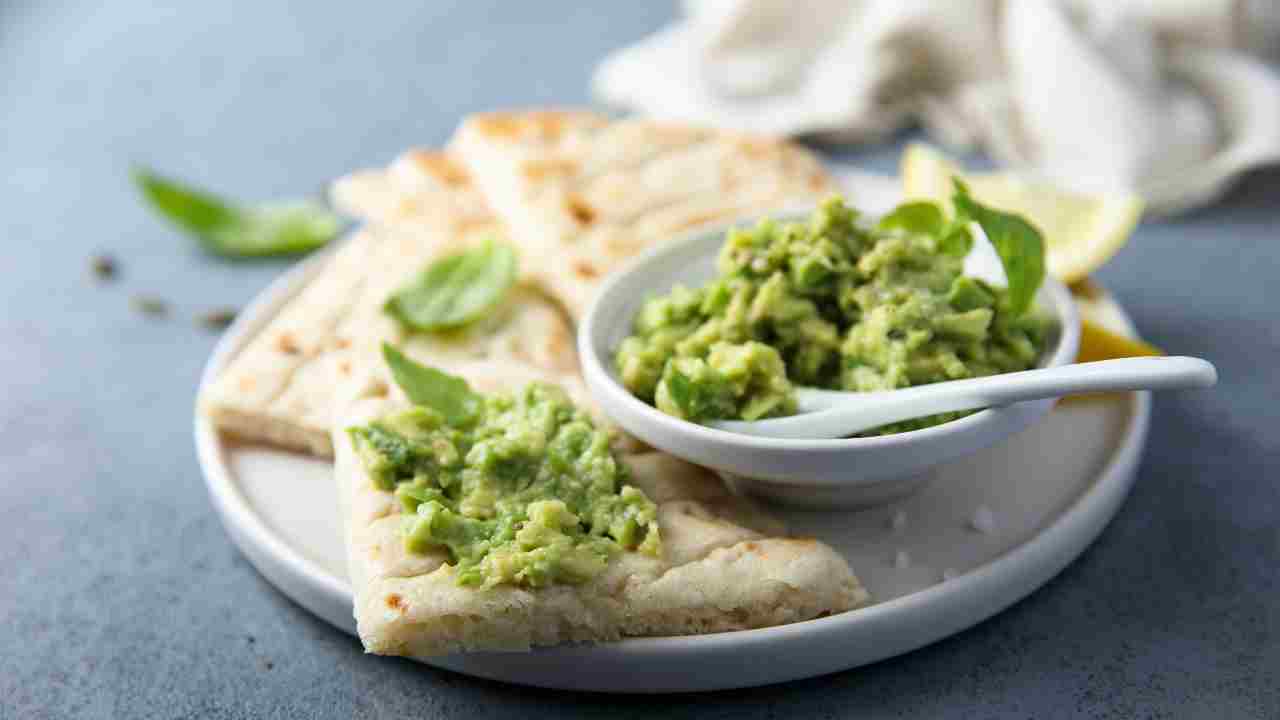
(421, 187)
(581, 193)
(725, 564)
(280, 388)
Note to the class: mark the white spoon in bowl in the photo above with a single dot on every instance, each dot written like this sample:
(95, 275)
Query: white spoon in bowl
(837, 414)
(825, 472)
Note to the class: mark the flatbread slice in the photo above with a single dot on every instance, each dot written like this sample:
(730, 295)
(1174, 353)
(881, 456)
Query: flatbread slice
(280, 389)
(420, 187)
(581, 194)
(725, 564)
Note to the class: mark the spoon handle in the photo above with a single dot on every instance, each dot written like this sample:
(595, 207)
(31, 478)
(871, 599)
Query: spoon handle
(833, 414)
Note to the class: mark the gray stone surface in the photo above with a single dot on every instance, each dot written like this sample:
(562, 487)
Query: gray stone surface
(120, 594)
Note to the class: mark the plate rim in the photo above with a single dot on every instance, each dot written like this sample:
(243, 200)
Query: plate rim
(1033, 563)
(246, 527)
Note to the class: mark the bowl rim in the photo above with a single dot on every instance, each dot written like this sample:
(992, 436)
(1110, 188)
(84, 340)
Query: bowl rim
(600, 380)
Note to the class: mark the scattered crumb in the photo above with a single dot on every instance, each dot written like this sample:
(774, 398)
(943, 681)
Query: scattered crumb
(950, 574)
(103, 267)
(217, 319)
(150, 305)
(267, 664)
(983, 520)
(901, 560)
(898, 521)
(251, 639)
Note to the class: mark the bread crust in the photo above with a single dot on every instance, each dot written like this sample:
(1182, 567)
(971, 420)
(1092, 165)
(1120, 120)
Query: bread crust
(280, 388)
(725, 565)
(583, 194)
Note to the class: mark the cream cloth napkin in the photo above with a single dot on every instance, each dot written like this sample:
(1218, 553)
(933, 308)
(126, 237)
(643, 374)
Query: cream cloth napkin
(1165, 98)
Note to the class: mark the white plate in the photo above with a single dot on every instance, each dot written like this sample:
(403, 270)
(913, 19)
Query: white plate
(1048, 491)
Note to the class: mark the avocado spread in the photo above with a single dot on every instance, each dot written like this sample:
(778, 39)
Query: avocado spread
(834, 303)
(524, 490)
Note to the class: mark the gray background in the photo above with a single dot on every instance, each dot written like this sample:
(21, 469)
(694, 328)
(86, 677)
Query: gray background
(120, 594)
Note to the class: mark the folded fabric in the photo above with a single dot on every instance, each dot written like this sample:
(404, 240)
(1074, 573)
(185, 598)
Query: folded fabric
(1170, 99)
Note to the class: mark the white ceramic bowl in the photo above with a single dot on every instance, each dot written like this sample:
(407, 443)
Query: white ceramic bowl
(851, 472)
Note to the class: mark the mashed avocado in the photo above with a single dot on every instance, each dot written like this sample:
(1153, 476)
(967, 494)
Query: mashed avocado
(525, 490)
(833, 303)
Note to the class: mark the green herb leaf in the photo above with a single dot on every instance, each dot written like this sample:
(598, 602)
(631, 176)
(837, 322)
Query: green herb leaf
(924, 218)
(681, 390)
(1018, 243)
(225, 229)
(957, 240)
(447, 394)
(456, 289)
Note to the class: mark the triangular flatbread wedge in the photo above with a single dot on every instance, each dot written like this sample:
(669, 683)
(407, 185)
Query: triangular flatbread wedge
(581, 194)
(279, 389)
(420, 187)
(725, 564)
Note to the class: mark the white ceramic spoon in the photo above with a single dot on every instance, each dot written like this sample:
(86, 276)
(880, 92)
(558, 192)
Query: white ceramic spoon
(836, 414)
(815, 471)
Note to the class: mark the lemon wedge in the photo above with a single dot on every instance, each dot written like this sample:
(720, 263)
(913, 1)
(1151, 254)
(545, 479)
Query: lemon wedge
(1099, 343)
(1081, 231)
(1103, 335)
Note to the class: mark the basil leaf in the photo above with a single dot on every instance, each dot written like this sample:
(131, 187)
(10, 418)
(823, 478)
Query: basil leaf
(447, 394)
(456, 289)
(958, 241)
(225, 229)
(923, 218)
(1018, 243)
(926, 218)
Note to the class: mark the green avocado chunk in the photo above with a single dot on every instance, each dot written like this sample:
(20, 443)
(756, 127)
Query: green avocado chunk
(526, 491)
(830, 302)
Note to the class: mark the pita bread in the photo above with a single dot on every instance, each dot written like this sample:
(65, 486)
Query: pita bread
(581, 194)
(725, 565)
(419, 187)
(280, 388)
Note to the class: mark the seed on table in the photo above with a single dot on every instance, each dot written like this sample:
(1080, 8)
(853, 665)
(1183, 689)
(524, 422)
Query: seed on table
(103, 267)
(150, 305)
(217, 319)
